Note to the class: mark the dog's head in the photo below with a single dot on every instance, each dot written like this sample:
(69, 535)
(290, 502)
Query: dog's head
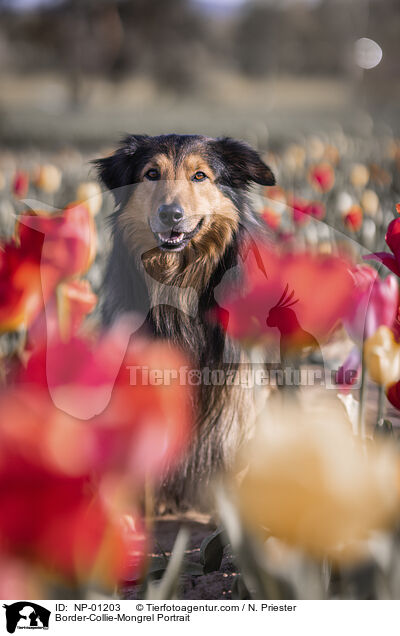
(178, 192)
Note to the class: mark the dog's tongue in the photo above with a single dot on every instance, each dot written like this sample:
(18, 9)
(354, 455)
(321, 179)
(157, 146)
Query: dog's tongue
(172, 234)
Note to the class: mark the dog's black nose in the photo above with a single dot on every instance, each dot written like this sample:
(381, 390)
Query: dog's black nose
(170, 214)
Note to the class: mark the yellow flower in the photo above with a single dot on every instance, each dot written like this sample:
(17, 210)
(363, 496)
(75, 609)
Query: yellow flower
(48, 178)
(90, 193)
(382, 356)
(370, 202)
(295, 157)
(310, 483)
(359, 175)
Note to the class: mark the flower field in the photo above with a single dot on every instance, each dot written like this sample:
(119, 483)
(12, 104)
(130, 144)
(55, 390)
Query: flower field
(311, 505)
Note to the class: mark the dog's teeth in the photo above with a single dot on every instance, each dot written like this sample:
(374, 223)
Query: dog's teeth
(167, 238)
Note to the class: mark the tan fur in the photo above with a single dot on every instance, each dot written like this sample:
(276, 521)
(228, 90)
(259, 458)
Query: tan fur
(200, 201)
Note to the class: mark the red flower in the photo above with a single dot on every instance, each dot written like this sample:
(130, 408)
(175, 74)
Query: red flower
(322, 177)
(300, 211)
(316, 209)
(50, 513)
(48, 249)
(393, 395)
(294, 300)
(75, 299)
(139, 423)
(375, 303)
(392, 261)
(271, 218)
(69, 243)
(20, 185)
(24, 285)
(353, 218)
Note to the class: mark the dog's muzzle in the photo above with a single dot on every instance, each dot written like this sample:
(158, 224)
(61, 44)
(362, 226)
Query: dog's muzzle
(171, 228)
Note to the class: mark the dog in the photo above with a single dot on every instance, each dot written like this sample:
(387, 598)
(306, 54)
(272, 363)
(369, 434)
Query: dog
(183, 220)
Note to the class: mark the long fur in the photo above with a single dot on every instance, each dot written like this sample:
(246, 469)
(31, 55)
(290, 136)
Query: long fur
(222, 413)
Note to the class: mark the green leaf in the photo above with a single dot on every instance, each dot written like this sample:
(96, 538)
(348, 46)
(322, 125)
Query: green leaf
(167, 588)
(212, 551)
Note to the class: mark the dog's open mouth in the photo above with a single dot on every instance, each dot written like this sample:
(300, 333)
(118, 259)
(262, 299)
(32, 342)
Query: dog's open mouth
(175, 240)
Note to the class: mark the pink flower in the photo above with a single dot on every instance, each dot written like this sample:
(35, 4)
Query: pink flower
(375, 303)
(392, 261)
(322, 176)
(300, 211)
(316, 209)
(20, 185)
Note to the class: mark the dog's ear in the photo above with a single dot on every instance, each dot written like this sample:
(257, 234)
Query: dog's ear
(243, 162)
(116, 170)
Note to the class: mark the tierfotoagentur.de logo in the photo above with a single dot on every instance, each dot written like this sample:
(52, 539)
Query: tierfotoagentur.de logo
(26, 615)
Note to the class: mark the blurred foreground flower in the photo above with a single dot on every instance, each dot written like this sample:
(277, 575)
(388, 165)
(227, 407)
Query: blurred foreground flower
(138, 426)
(50, 513)
(290, 299)
(69, 243)
(23, 284)
(310, 483)
(82, 428)
(75, 299)
(47, 249)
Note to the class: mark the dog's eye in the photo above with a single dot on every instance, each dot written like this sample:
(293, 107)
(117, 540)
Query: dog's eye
(199, 176)
(152, 174)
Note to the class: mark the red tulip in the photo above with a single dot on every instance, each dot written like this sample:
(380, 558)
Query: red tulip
(316, 209)
(75, 299)
(300, 211)
(374, 303)
(393, 395)
(24, 285)
(20, 185)
(48, 249)
(50, 512)
(139, 426)
(69, 243)
(63, 314)
(391, 261)
(271, 218)
(353, 218)
(322, 177)
(294, 298)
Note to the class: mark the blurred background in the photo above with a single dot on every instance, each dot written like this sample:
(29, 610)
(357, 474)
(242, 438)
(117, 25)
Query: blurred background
(82, 72)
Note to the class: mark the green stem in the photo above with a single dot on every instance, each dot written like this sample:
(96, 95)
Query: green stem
(381, 406)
